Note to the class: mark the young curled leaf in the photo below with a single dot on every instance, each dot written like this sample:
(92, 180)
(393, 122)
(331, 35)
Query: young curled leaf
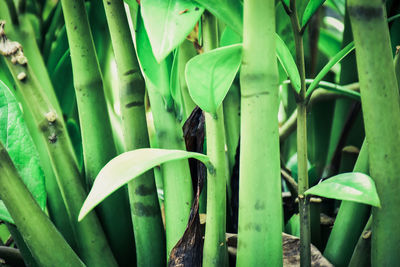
(210, 75)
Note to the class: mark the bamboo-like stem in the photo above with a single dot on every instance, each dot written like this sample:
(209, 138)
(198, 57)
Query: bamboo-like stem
(148, 227)
(178, 190)
(24, 34)
(215, 248)
(260, 198)
(97, 140)
(27, 215)
(381, 110)
(91, 241)
(347, 230)
(177, 199)
(304, 205)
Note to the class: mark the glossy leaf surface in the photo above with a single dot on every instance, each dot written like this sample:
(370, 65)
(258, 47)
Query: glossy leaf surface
(126, 167)
(16, 139)
(351, 186)
(210, 75)
(158, 74)
(168, 22)
(310, 10)
(287, 62)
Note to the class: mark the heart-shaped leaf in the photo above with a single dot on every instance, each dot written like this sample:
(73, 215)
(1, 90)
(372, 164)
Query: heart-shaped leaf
(126, 167)
(311, 8)
(351, 186)
(210, 75)
(228, 11)
(285, 58)
(16, 139)
(287, 62)
(168, 22)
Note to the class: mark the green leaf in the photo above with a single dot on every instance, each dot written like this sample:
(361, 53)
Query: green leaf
(126, 167)
(229, 12)
(131, 3)
(351, 186)
(337, 58)
(230, 37)
(210, 75)
(288, 63)
(158, 74)
(168, 22)
(16, 139)
(311, 8)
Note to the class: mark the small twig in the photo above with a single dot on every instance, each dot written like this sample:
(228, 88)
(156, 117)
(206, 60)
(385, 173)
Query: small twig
(291, 182)
(287, 9)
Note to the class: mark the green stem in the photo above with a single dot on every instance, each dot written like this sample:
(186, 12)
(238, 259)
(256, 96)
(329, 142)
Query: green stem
(27, 215)
(97, 139)
(148, 227)
(24, 34)
(304, 205)
(91, 241)
(215, 248)
(260, 197)
(381, 110)
(178, 191)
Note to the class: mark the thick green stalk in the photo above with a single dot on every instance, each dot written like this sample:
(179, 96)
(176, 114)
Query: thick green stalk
(215, 248)
(381, 110)
(260, 198)
(304, 204)
(97, 139)
(92, 245)
(147, 226)
(178, 191)
(349, 222)
(27, 216)
(24, 34)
